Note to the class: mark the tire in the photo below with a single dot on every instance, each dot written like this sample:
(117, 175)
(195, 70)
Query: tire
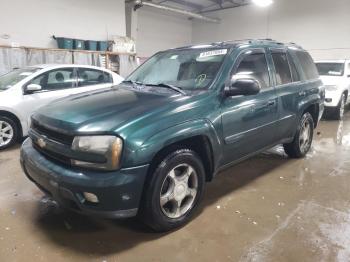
(170, 187)
(302, 141)
(339, 110)
(8, 132)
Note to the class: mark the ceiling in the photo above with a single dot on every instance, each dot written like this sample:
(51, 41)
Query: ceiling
(202, 6)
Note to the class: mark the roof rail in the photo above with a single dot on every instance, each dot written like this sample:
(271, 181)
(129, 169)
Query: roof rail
(294, 44)
(267, 39)
(251, 40)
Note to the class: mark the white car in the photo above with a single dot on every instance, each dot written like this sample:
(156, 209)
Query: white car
(24, 90)
(335, 75)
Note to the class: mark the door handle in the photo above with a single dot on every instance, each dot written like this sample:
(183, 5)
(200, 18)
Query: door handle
(302, 93)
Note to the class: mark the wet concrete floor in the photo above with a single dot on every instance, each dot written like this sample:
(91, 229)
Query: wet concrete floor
(268, 208)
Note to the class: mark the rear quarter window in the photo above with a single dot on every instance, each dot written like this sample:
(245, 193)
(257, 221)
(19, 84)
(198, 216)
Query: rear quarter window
(307, 65)
(88, 77)
(293, 68)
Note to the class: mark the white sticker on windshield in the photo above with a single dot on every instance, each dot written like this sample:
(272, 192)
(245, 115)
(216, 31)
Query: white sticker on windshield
(25, 74)
(174, 57)
(213, 53)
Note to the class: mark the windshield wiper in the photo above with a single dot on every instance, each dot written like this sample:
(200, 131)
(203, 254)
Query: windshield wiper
(175, 88)
(134, 83)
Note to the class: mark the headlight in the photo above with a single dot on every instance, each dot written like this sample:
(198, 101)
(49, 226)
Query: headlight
(331, 88)
(108, 146)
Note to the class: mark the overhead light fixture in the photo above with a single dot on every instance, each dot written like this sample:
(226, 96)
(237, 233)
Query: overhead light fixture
(263, 3)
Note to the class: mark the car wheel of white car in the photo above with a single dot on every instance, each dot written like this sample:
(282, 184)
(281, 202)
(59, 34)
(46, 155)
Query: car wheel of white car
(8, 132)
(339, 111)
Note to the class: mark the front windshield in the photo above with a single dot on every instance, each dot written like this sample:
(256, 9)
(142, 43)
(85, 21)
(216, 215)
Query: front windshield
(330, 69)
(189, 69)
(13, 77)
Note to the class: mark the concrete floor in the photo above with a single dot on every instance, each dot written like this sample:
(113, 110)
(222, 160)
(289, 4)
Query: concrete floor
(269, 208)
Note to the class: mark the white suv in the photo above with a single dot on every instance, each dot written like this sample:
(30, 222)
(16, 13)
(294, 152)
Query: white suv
(24, 90)
(335, 75)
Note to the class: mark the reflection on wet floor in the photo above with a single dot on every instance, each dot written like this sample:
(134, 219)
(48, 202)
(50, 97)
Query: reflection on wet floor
(268, 208)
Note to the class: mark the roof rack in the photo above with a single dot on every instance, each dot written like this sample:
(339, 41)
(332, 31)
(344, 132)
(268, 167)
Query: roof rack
(254, 40)
(294, 44)
(249, 41)
(270, 40)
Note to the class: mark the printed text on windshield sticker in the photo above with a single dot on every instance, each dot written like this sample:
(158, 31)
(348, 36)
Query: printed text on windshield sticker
(213, 53)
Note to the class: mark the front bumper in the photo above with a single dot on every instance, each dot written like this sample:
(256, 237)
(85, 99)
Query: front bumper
(332, 98)
(320, 111)
(119, 192)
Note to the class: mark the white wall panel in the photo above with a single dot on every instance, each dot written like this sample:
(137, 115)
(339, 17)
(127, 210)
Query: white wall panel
(159, 30)
(33, 22)
(321, 26)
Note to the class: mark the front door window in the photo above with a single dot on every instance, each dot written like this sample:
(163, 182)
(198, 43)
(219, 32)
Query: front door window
(56, 79)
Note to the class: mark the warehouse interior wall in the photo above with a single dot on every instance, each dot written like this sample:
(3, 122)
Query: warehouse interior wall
(317, 25)
(33, 22)
(159, 30)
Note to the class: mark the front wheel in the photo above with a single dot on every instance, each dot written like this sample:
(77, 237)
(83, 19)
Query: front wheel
(301, 143)
(8, 132)
(174, 192)
(339, 110)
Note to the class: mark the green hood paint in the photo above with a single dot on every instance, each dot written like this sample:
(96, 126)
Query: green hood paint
(134, 115)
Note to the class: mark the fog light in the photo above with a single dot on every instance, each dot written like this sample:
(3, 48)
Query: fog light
(90, 197)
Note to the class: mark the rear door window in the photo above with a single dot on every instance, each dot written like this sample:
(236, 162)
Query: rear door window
(88, 77)
(307, 64)
(283, 73)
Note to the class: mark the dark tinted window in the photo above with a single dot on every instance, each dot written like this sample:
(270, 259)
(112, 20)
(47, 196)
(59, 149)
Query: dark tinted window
(87, 77)
(255, 65)
(56, 79)
(283, 74)
(307, 65)
(293, 68)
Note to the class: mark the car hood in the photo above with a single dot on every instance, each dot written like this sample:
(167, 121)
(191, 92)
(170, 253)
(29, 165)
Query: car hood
(332, 80)
(103, 111)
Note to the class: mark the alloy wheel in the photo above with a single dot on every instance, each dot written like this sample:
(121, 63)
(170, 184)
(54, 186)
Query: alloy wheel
(305, 136)
(6, 133)
(342, 107)
(178, 191)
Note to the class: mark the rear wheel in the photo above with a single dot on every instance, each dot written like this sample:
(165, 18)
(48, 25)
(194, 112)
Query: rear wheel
(174, 192)
(8, 132)
(303, 138)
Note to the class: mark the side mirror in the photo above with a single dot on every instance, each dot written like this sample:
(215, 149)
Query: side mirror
(243, 86)
(32, 88)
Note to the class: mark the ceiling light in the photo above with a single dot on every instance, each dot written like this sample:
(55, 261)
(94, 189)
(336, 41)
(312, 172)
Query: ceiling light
(263, 3)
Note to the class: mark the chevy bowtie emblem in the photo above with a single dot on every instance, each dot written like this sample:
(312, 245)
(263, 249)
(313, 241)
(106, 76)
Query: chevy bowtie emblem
(41, 142)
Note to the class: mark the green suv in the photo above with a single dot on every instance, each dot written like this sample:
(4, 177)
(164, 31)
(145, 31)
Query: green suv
(148, 146)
